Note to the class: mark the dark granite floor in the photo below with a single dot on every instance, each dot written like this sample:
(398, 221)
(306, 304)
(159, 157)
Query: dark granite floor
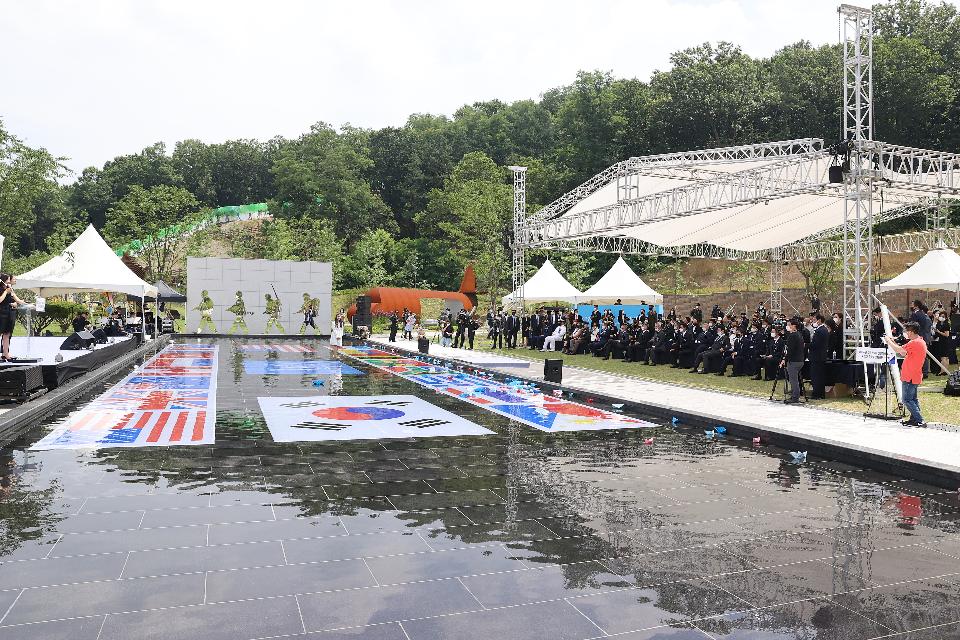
(520, 534)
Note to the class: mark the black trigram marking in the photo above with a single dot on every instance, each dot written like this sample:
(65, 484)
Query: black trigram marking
(424, 423)
(321, 426)
(303, 404)
(390, 403)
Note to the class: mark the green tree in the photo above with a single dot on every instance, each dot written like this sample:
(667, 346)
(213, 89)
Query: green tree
(155, 216)
(323, 175)
(472, 214)
(368, 260)
(30, 198)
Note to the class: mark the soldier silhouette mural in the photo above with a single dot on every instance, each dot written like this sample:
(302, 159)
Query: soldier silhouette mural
(309, 311)
(239, 311)
(206, 313)
(272, 311)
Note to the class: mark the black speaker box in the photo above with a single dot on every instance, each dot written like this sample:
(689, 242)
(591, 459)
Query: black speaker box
(952, 387)
(20, 381)
(553, 370)
(423, 345)
(362, 317)
(835, 174)
(78, 340)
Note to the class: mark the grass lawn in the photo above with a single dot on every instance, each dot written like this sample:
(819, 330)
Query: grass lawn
(935, 406)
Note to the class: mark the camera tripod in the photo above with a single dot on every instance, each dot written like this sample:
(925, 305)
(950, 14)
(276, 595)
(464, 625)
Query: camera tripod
(781, 374)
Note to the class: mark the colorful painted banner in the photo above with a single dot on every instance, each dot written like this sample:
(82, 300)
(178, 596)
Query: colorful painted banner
(317, 418)
(169, 400)
(300, 368)
(284, 348)
(516, 400)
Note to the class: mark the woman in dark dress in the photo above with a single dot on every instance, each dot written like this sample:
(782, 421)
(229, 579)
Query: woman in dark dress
(942, 344)
(8, 314)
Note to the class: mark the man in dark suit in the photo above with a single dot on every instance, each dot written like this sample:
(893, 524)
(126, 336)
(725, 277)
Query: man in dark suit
(919, 314)
(460, 338)
(512, 328)
(770, 361)
(709, 357)
(819, 338)
(792, 360)
(536, 325)
(697, 313)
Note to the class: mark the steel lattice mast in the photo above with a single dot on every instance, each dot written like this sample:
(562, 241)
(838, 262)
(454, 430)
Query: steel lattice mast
(858, 188)
(519, 218)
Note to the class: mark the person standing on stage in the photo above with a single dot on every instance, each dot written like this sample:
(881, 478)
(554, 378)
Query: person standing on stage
(8, 313)
(513, 328)
(911, 372)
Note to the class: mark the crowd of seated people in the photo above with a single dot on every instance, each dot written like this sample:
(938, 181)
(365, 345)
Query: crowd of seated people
(723, 344)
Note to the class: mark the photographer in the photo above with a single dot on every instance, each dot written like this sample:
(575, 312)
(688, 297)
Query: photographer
(793, 360)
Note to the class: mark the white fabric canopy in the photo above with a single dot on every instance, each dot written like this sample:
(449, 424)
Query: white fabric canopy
(939, 269)
(546, 285)
(621, 283)
(88, 264)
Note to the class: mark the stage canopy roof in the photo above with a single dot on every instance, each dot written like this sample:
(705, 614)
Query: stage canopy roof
(938, 269)
(748, 198)
(546, 285)
(620, 283)
(88, 264)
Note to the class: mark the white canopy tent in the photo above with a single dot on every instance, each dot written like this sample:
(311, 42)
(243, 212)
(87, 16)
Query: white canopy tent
(87, 265)
(546, 285)
(621, 283)
(938, 269)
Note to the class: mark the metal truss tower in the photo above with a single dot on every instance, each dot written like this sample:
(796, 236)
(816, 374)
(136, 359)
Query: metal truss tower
(857, 30)
(519, 218)
(776, 280)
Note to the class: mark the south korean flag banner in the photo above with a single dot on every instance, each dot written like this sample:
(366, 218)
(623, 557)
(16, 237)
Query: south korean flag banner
(318, 418)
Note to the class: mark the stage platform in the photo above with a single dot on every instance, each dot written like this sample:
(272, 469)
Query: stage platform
(74, 363)
(931, 454)
(475, 358)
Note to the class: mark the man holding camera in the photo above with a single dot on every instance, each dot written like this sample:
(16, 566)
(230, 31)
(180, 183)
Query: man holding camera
(911, 372)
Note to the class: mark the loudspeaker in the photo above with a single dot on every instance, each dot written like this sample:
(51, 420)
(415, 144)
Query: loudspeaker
(952, 387)
(553, 370)
(17, 382)
(423, 345)
(836, 174)
(362, 317)
(78, 340)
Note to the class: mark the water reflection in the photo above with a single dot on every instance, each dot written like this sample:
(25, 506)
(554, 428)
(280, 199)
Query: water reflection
(689, 532)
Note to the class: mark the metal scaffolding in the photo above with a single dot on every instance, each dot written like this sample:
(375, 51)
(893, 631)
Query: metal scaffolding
(519, 218)
(903, 180)
(858, 185)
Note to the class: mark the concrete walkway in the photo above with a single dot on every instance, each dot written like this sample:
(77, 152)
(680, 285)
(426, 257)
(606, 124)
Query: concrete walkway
(935, 448)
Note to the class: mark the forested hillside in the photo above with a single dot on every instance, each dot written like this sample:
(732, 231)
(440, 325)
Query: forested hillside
(410, 205)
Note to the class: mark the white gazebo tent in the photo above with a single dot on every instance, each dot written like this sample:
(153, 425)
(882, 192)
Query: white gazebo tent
(546, 285)
(621, 283)
(87, 265)
(939, 269)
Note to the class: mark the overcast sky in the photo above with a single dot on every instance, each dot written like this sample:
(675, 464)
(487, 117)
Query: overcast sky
(95, 79)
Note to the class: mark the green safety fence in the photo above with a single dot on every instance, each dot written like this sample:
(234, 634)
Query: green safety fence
(214, 216)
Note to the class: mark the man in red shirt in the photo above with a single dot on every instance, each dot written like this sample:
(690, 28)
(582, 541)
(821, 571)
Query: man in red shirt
(911, 372)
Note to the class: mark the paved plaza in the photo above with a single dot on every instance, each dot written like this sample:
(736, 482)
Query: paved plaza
(503, 531)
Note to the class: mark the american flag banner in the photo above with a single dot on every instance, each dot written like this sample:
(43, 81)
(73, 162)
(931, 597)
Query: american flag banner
(283, 348)
(169, 400)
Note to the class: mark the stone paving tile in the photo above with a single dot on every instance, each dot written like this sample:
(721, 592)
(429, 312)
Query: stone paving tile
(228, 621)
